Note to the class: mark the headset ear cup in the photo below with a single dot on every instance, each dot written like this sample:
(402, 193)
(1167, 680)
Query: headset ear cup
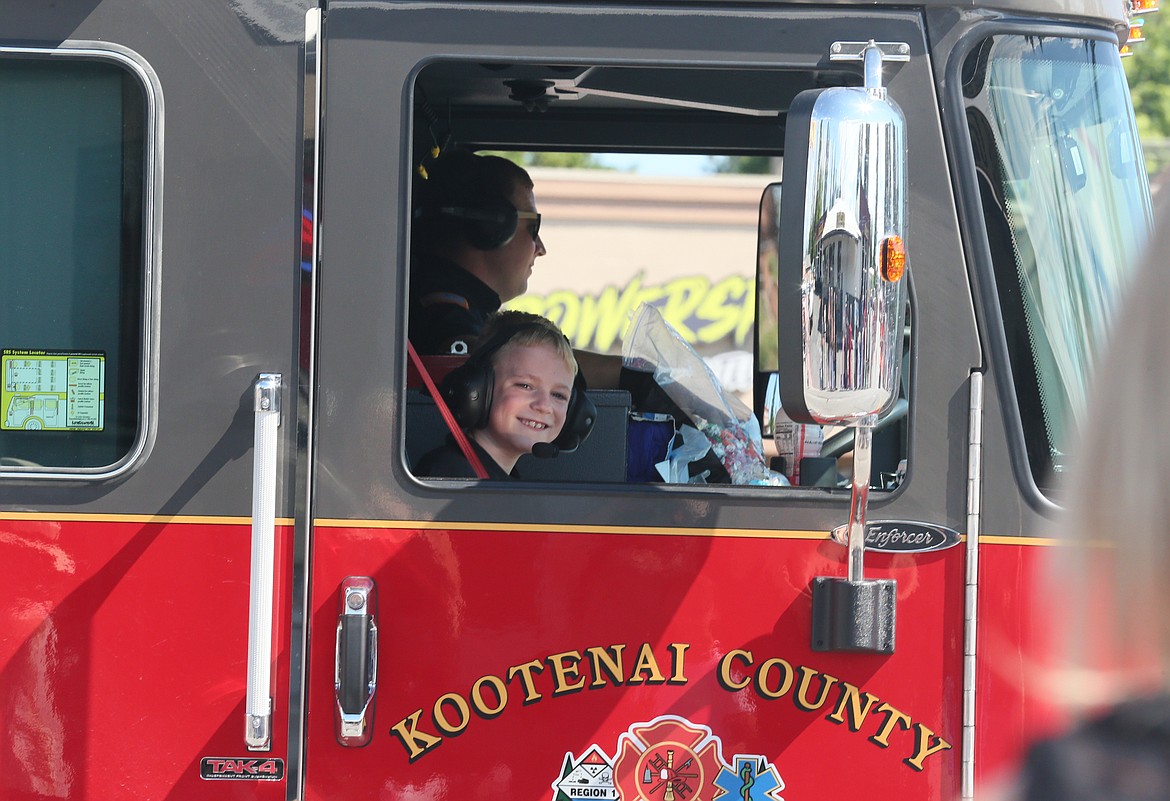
(579, 418)
(490, 227)
(468, 388)
(468, 392)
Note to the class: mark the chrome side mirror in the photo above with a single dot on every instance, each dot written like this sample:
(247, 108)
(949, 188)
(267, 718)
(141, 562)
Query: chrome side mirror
(842, 256)
(842, 296)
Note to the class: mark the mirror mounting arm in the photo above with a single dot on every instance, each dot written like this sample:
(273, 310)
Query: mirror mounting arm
(844, 203)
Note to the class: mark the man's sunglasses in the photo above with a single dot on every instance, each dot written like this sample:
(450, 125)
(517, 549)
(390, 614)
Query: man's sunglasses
(534, 224)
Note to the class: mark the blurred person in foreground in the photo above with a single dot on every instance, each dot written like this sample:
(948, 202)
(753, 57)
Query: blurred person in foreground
(1117, 521)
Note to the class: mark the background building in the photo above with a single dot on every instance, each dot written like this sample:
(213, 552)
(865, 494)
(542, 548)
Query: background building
(687, 245)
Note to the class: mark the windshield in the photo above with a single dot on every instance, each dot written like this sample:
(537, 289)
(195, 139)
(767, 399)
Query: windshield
(1067, 207)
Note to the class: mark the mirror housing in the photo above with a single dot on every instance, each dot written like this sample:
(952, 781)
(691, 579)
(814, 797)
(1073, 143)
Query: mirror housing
(842, 223)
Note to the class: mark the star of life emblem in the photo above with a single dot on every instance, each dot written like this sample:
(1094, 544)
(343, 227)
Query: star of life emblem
(752, 779)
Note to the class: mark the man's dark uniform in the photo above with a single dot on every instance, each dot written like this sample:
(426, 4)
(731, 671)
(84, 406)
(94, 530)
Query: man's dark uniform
(448, 305)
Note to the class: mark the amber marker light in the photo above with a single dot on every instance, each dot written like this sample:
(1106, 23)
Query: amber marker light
(893, 258)
(1136, 8)
(1136, 35)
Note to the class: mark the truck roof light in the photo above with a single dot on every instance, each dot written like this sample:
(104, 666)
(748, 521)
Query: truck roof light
(893, 258)
(1136, 24)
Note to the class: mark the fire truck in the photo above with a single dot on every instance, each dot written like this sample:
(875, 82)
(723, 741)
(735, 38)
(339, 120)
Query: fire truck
(222, 578)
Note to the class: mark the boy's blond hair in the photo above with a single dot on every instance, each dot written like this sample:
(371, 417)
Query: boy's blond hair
(531, 329)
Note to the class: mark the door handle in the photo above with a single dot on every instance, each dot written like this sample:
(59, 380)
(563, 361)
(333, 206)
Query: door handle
(258, 704)
(355, 677)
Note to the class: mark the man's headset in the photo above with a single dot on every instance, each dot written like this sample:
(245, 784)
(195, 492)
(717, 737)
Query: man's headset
(459, 188)
(468, 391)
(487, 226)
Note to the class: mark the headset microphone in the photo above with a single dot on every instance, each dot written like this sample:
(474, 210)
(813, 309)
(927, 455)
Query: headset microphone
(545, 450)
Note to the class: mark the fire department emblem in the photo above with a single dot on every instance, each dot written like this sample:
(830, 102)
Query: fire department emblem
(668, 759)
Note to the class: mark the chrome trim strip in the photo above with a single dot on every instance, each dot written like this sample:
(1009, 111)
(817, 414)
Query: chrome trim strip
(152, 174)
(266, 449)
(305, 411)
(971, 611)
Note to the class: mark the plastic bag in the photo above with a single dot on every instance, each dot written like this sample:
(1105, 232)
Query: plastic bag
(689, 447)
(730, 428)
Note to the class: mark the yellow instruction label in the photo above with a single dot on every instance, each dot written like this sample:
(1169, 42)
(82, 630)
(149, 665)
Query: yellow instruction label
(50, 390)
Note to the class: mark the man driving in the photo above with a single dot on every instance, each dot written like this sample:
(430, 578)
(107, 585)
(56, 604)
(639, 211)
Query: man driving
(476, 239)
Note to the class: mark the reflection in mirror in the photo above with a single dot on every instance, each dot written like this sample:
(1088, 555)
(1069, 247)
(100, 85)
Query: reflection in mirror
(843, 215)
(767, 281)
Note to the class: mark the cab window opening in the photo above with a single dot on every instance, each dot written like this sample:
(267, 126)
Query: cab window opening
(72, 219)
(1061, 187)
(698, 247)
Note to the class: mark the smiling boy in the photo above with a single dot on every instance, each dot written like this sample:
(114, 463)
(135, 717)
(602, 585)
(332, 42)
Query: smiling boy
(512, 394)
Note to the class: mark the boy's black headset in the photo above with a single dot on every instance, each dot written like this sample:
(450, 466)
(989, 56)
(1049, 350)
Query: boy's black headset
(468, 391)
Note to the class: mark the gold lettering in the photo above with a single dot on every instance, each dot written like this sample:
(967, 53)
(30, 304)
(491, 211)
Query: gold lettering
(442, 724)
(725, 669)
(801, 697)
(893, 716)
(477, 701)
(531, 696)
(603, 663)
(676, 675)
(416, 742)
(923, 748)
(852, 696)
(772, 679)
(646, 664)
(564, 666)
(785, 682)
